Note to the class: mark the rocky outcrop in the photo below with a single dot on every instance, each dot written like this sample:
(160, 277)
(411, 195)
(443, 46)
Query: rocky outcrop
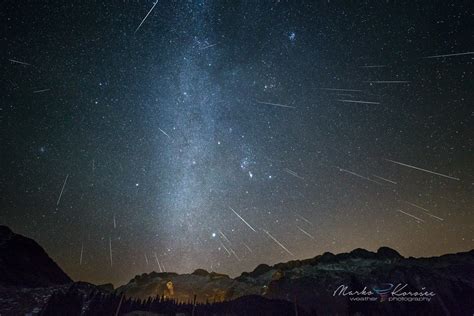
(207, 286)
(314, 282)
(107, 287)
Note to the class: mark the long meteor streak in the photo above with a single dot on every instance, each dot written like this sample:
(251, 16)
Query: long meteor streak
(305, 219)
(277, 104)
(358, 101)
(82, 251)
(426, 211)
(110, 252)
(62, 190)
(389, 81)
(278, 243)
(146, 16)
(248, 248)
(293, 173)
(158, 262)
(421, 169)
(357, 175)
(384, 179)
(164, 132)
(334, 89)
(224, 236)
(305, 232)
(450, 55)
(41, 91)
(19, 62)
(225, 248)
(417, 218)
(243, 220)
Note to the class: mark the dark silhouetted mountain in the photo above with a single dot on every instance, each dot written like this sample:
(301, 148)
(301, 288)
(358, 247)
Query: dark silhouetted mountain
(25, 263)
(313, 282)
(31, 283)
(107, 287)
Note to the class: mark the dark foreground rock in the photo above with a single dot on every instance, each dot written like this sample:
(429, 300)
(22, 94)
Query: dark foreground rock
(24, 263)
(356, 283)
(436, 286)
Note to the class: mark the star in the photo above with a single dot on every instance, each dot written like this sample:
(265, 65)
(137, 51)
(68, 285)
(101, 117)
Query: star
(292, 36)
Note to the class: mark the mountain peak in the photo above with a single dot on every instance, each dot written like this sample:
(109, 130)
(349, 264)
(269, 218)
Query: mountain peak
(5, 232)
(25, 263)
(200, 272)
(389, 253)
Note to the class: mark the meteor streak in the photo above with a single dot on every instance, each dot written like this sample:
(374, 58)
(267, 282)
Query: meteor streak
(357, 175)
(278, 243)
(418, 219)
(82, 251)
(158, 262)
(450, 55)
(227, 250)
(293, 173)
(421, 169)
(334, 89)
(304, 219)
(146, 16)
(41, 91)
(62, 190)
(243, 220)
(110, 251)
(358, 101)
(277, 104)
(389, 81)
(393, 182)
(19, 62)
(164, 132)
(305, 232)
(224, 236)
(427, 212)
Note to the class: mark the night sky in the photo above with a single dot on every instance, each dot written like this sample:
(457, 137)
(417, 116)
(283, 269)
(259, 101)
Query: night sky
(225, 134)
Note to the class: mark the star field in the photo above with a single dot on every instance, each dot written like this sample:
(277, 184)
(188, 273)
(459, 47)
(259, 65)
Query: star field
(176, 135)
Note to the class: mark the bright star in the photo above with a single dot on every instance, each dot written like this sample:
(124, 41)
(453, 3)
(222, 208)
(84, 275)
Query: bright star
(292, 36)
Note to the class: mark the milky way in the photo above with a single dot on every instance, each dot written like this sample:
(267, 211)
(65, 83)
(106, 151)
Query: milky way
(171, 136)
